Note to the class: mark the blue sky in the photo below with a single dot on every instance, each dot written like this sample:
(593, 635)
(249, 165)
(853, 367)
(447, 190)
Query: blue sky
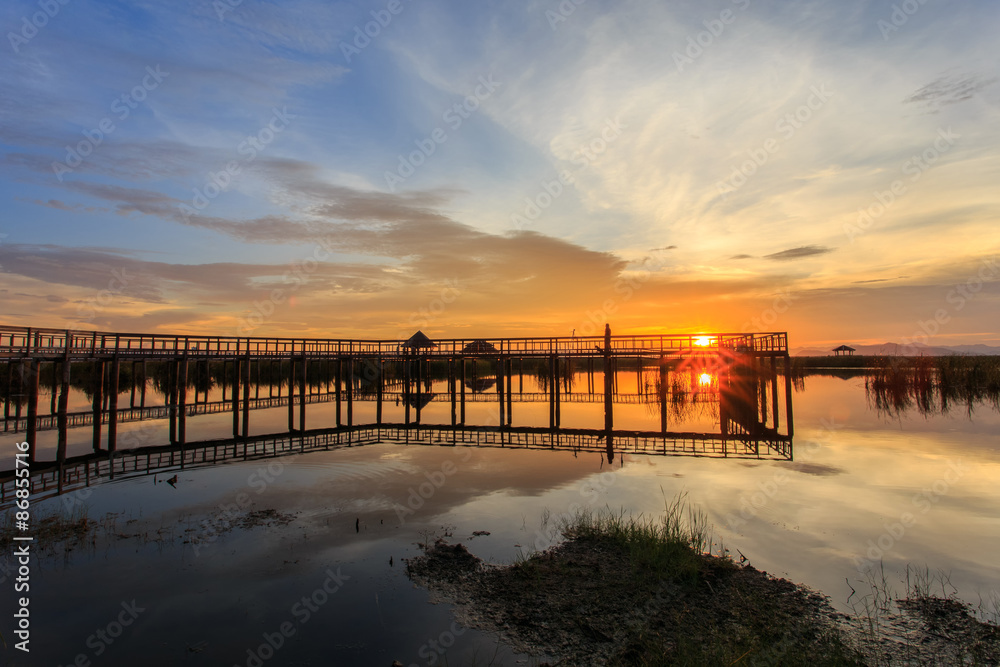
(494, 168)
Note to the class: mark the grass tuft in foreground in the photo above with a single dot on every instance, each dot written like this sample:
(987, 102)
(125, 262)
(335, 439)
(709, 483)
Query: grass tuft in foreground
(625, 590)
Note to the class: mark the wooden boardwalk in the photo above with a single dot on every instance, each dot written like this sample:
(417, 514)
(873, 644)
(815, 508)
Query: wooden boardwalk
(390, 373)
(56, 345)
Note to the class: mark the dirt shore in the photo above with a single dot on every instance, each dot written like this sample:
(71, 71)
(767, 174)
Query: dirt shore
(587, 602)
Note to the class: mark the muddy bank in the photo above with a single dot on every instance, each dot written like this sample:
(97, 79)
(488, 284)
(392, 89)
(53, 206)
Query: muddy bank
(591, 601)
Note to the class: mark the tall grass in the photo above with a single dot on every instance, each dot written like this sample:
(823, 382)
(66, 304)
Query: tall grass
(932, 384)
(670, 546)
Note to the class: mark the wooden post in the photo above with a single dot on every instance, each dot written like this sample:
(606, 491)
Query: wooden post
(62, 419)
(420, 387)
(350, 393)
(182, 377)
(113, 404)
(340, 374)
(406, 390)
(609, 419)
(556, 377)
(10, 393)
(378, 391)
(774, 391)
(788, 395)
(302, 391)
(172, 398)
(552, 391)
(291, 393)
(663, 394)
(462, 388)
(510, 383)
(761, 390)
(98, 401)
(33, 372)
(452, 391)
(498, 366)
(246, 394)
(237, 375)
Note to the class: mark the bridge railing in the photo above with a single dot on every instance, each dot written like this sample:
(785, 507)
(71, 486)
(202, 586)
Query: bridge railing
(26, 341)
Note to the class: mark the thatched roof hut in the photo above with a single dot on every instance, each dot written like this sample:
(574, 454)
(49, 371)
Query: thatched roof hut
(419, 341)
(420, 400)
(480, 347)
(479, 385)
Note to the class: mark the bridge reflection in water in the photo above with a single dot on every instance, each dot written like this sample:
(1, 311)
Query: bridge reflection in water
(734, 376)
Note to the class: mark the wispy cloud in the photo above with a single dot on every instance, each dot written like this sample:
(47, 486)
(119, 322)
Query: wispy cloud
(798, 253)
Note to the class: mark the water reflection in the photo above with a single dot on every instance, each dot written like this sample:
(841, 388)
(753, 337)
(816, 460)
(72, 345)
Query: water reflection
(702, 406)
(364, 494)
(933, 385)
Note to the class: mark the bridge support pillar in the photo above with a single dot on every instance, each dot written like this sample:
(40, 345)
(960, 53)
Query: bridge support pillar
(113, 404)
(32, 380)
(98, 401)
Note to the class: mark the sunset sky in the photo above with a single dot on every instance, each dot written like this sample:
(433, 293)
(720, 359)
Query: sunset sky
(367, 169)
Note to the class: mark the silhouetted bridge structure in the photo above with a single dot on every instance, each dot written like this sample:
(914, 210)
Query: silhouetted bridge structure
(52, 478)
(382, 372)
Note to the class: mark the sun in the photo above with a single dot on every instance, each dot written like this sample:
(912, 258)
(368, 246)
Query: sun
(703, 341)
(705, 380)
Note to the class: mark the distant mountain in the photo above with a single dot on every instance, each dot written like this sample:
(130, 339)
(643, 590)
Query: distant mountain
(912, 350)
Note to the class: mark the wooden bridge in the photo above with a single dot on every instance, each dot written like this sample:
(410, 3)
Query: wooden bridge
(395, 371)
(57, 345)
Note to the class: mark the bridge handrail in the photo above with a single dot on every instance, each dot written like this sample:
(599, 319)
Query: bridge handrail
(29, 341)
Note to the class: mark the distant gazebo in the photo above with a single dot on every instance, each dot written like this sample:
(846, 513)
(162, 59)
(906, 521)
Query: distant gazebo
(843, 349)
(480, 347)
(419, 341)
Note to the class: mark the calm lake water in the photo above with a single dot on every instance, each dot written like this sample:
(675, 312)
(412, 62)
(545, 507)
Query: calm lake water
(165, 583)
